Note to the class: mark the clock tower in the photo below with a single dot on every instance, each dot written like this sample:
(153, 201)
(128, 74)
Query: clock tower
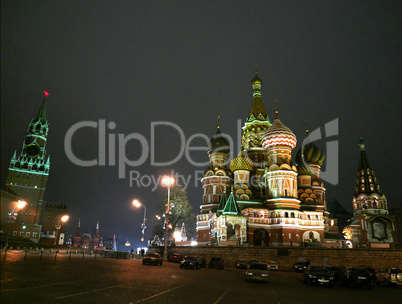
(28, 172)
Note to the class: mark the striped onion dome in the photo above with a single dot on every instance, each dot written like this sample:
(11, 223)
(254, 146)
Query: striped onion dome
(241, 162)
(311, 155)
(218, 143)
(278, 135)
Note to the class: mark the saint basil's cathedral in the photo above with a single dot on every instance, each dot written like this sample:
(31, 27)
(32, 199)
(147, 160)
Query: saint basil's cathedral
(263, 198)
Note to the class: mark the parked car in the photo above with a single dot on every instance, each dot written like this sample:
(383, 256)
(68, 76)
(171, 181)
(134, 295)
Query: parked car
(318, 275)
(216, 262)
(371, 270)
(396, 276)
(242, 264)
(252, 261)
(201, 262)
(189, 262)
(175, 258)
(152, 259)
(273, 265)
(357, 277)
(300, 266)
(383, 276)
(336, 272)
(257, 272)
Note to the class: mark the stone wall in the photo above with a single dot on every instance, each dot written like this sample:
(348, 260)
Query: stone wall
(286, 257)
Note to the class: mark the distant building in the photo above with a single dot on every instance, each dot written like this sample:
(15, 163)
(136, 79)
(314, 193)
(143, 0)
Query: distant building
(27, 177)
(371, 225)
(87, 240)
(264, 197)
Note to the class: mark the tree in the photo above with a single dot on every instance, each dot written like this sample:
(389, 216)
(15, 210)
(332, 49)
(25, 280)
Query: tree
(180, 212)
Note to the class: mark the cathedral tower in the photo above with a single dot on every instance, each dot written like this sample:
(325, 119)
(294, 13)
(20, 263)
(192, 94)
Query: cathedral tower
(281, 174)
(254, 128)
(217, 177)
(371, 226)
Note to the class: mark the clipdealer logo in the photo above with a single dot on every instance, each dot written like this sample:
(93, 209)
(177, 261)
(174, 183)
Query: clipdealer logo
(112, 150)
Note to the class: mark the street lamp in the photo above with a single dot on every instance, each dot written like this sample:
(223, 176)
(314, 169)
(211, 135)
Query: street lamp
(20, 204)
(167, 181)
(138, 204)
(63, 219)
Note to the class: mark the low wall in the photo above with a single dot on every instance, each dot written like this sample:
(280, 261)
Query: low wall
(286, 257)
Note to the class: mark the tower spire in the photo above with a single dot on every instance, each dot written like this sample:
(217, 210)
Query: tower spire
(276, 109)
(306, 127)
(257, 111)
(42, 111)
(366, 181)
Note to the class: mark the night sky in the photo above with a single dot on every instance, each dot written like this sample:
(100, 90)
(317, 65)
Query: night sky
(138, 64)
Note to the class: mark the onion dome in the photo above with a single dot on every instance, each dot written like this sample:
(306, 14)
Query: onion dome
(302, 166)
(241, 162)
(218, 143)
(278, 135)
(311, 155)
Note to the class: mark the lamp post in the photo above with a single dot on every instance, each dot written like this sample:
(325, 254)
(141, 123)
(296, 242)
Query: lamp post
(20, 204)
(138, 204)
(167, 181)
(63, 219)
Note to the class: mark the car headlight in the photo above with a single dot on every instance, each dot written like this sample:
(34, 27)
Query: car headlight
(264, 275)
(249, 273)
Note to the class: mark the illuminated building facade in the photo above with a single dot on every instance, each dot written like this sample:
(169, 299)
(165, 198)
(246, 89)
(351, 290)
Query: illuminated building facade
(263, 198)
(371, 225)
(87, 240)
(27, 177)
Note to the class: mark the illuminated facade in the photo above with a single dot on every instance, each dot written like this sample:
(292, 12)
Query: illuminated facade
(87, 240)
(371, 225)
(262, 198)
(27, 177)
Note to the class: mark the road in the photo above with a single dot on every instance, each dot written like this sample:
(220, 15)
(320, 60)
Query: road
(128, 281)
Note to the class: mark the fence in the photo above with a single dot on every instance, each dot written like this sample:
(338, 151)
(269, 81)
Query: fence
(16, 254)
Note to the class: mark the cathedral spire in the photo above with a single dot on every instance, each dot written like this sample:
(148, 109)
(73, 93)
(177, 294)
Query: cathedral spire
(366, 181)
(257, 111)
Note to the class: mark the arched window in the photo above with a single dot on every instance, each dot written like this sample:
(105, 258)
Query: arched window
(292, 215)
(286, 214)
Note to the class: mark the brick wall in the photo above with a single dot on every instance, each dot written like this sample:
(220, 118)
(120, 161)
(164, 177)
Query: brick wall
(286, 257)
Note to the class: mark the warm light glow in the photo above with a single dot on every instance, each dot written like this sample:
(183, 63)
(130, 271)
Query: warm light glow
(194, 243)
(21, 204)
(127, 244)
(167, 181)
(136, 203)
(64, 218)
(177, 235)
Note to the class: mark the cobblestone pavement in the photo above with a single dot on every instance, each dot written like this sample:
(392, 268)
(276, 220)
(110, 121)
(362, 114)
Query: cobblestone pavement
(90, 280)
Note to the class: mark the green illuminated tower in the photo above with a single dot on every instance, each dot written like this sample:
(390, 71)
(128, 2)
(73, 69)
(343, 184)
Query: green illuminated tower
(28, 172)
